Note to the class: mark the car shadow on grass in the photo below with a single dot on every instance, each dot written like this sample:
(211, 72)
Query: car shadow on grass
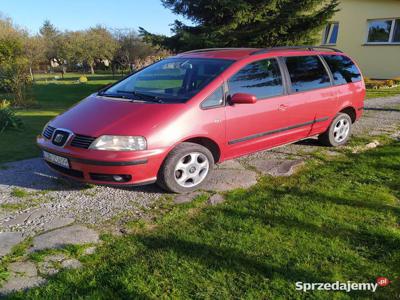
(213, 259)
(312, 142)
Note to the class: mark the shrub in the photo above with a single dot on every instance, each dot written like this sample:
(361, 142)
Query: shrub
(8, 119)
(396, 80)
(83, 79)
(374, 84)
(14, 69)
(378, 84)
(389, 83)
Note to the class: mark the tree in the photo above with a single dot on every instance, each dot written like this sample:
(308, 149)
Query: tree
(14, 64)
(100, 45)
(48, 30)
(55, 45)
(130, 48)
(244, 23)
(90, 46)
(34, 51)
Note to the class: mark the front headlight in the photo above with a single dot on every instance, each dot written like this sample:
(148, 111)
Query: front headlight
(119, 143)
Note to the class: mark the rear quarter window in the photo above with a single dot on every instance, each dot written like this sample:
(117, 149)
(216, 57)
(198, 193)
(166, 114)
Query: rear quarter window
(343, 69)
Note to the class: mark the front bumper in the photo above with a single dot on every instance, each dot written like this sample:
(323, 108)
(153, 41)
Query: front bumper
(100, 167)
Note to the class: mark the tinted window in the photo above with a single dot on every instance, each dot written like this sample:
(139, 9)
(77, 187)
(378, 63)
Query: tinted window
(215, 99)
(307, 73)
(262, 79)
(343, 69)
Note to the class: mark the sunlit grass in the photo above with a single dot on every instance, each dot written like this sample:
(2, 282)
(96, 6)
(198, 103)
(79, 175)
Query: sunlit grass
(384, 92)
(53, 97)
(335, 221)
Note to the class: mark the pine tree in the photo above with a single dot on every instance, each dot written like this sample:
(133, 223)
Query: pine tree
(48, 30)
(244, 23)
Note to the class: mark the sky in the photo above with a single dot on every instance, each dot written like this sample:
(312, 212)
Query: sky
(82, 14)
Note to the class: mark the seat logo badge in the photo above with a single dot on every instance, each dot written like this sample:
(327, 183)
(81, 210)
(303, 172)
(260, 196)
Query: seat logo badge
(58, 138)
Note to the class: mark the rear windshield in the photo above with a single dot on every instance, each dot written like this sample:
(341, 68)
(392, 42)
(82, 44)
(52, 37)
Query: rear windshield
(171, 80)
(343, 69)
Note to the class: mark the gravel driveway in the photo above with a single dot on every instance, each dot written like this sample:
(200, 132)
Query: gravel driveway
(33, 199)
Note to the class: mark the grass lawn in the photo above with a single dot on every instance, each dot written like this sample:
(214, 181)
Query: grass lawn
(380, 93)
(53, 97)
(336, 221)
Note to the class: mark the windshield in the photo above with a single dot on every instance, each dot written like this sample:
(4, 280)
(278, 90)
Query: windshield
(170, 80)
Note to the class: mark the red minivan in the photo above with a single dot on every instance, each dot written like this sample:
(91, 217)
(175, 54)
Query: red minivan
(172, 121)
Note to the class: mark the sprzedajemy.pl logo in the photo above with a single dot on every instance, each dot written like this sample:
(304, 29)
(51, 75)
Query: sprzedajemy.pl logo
(342, 286)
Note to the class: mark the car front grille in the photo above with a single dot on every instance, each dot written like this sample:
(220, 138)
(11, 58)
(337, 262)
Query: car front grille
(79, 141)
(48, 132)
(82, 141)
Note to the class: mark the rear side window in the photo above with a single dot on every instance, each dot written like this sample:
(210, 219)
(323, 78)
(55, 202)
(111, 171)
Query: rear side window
(262, 79)
(307, 73)
(343, 69)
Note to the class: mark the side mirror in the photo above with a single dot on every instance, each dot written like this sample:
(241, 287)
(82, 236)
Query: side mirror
(242, 98)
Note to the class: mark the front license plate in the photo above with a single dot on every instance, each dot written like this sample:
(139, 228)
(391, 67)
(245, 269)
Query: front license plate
(55, 159)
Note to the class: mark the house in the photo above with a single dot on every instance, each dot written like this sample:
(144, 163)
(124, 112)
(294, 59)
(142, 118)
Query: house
(369, 31)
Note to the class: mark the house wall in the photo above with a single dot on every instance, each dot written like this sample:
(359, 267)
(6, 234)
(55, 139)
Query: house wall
(375, 61)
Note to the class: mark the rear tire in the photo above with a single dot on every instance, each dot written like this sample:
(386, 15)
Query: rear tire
(339, 131)
(186, 168)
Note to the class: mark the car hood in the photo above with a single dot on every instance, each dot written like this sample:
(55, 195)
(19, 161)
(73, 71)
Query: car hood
(97, 115)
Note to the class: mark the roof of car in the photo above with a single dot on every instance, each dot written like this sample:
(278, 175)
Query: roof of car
(240, 53)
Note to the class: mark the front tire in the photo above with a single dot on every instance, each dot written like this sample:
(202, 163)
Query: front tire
(339, 131)
(186, 168)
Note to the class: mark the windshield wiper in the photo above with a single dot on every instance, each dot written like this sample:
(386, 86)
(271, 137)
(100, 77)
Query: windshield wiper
(128, 97)
(143, 96)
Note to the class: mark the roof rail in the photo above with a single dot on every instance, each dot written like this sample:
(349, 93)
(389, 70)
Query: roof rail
(213, 49)
(309, 48)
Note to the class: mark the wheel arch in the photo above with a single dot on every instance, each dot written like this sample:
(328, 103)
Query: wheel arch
(208, 143)
(350, 110)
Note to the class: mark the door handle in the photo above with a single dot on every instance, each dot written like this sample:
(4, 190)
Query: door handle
(282, 107)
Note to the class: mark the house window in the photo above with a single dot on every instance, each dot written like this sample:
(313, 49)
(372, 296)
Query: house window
(396, 31)
(331, 34)
(384, 31)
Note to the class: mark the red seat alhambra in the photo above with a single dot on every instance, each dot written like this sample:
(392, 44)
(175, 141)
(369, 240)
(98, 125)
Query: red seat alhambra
(172, 121)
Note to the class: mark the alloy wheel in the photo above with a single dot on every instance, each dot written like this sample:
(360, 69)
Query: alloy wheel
(341, 130)
(191, 169)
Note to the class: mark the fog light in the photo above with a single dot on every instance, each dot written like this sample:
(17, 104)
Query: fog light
(121, 178)
(110, 177)
(118, 178)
